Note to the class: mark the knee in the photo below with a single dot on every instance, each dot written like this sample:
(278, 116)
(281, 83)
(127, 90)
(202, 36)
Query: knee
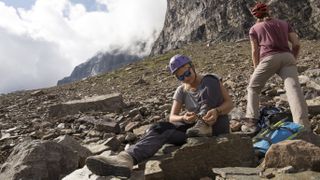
(291, 83)
(161, 127)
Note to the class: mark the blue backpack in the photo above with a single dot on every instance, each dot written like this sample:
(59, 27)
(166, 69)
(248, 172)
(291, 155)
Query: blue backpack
(276, 126)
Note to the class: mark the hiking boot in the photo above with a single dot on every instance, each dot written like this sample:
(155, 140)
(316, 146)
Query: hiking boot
(235, 125)
(250, 126)
(200, 129)
(119, 165)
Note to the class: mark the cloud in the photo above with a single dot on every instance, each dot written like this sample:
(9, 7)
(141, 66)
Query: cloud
(26, 62)
(39, 46)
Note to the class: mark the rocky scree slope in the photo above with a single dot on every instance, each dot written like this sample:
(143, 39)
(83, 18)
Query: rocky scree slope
(147, 89)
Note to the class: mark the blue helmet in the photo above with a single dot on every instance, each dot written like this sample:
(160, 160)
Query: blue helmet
(178, 61)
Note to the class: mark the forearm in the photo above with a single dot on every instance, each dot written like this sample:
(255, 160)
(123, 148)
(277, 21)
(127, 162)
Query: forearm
(255, 58)
(227, 104)
(224, 108)
(294, 40)
(175, 118)
(295, 50)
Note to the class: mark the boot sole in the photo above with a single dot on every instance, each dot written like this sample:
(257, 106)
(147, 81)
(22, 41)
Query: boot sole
(100, 168)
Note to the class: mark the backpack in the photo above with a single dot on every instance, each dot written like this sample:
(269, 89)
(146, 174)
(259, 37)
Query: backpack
(280, 131)
(270, 115)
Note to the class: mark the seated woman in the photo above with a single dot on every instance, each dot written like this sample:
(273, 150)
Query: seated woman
(207, 104)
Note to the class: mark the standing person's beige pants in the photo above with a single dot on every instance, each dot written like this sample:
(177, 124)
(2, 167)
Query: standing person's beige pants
(282, 64)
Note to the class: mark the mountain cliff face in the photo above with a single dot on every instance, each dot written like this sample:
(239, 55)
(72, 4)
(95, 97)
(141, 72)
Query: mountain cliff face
(100, 63)
(229, 20)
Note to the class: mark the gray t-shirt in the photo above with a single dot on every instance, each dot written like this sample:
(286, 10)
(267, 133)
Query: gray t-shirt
(192, 99)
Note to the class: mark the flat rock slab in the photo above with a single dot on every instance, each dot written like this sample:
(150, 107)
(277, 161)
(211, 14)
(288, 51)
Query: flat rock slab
(85, 174)
(198, 156)
(231, 172)
(107, 103)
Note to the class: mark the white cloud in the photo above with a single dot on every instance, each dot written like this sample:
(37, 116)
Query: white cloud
(41, 45)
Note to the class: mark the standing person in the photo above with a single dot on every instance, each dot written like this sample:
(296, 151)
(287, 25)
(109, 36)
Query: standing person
(271, 55)
(207, 104)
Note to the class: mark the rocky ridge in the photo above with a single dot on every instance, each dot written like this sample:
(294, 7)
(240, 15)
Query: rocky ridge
(98, 64)
(214, 21)
(146, 88)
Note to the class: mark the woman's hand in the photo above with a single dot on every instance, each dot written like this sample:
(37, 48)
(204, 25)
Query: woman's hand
(189, 117)
(211, 117)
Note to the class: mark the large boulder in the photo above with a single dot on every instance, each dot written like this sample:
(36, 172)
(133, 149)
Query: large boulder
(81, 151)
(196, 158)
(45, 160)
(106, 103)
(297, 153)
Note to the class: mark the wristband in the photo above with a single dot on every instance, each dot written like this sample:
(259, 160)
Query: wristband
(218, 111)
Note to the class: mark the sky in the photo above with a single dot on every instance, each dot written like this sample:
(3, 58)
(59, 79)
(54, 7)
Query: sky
(41, 41)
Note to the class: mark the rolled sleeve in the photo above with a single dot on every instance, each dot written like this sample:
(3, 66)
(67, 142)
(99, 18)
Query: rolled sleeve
(179, 94)
(253, 34)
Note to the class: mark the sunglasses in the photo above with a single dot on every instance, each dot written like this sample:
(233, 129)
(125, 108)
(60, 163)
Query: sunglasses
(187, 73)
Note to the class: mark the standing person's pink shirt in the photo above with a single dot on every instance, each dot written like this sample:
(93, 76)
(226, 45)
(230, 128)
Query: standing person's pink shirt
(272, 36)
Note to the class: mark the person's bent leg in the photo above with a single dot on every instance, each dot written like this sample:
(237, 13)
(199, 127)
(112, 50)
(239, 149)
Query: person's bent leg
(153, 141)
(119, 165)
(266, 68)
(297, 103)
(147, 146)
(221, 126)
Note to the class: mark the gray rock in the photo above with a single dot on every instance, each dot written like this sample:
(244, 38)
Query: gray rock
(299, 175)
(134, 112)
(106, 103)
(45, 160)
(131, 125)
(312, 84)
(87, 119)
(153, 171)
(166, 107)
(85, 174)
(313, 73)
(288, 169)
(130, 137)
(280, 91)
(303, 79)
(218, 152)
(314, 106)
(290, 153)
(37, 93)
(141, 130)
(97, 148)
(107, 126)
(239, 173)
(236, 113)
(82, 152)
(113, 143)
